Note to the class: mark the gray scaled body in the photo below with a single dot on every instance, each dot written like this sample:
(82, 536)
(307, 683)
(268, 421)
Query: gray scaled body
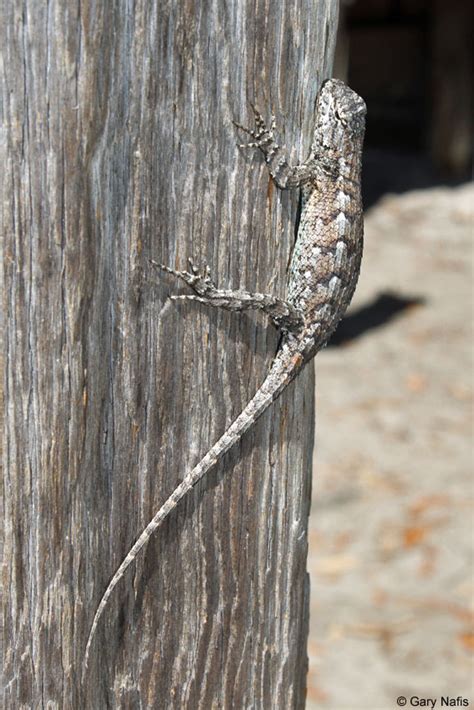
(323, 272)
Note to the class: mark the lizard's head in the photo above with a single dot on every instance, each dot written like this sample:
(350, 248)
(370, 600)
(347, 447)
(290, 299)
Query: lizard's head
(339, 106)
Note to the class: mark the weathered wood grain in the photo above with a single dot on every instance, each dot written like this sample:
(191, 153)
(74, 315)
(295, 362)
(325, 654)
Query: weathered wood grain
(119, 147)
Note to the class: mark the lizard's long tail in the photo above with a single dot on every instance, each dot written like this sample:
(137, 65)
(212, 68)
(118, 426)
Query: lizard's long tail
(286, 365)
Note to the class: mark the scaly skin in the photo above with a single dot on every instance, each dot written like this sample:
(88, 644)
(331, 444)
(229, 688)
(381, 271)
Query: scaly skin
(323, 272)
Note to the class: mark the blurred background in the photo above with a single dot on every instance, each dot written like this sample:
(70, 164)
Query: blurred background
(391, 528)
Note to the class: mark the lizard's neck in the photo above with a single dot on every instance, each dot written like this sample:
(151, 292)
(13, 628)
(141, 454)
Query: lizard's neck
(337, 151)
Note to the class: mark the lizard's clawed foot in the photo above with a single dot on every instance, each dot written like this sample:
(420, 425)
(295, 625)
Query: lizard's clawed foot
(261, 134)
(201, 283)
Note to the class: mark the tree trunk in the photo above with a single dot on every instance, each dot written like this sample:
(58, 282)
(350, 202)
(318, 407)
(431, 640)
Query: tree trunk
(121, 148)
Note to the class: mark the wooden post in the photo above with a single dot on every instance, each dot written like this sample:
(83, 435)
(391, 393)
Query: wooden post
(120, 149)
(451, 87)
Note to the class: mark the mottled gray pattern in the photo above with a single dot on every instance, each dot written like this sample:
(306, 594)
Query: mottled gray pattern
(322, 278)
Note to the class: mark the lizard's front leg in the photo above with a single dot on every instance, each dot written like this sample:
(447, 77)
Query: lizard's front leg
(283, 174)
(283, 314)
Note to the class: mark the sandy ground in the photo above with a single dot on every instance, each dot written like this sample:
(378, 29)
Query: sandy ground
(391, 528)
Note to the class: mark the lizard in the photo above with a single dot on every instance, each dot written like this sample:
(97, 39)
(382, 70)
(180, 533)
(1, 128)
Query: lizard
(323, 272)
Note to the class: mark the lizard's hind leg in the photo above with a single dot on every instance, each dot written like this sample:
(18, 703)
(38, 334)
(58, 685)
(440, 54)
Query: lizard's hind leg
(284, 315)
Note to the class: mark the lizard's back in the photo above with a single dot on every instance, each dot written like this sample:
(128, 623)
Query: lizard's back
(326, 259)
